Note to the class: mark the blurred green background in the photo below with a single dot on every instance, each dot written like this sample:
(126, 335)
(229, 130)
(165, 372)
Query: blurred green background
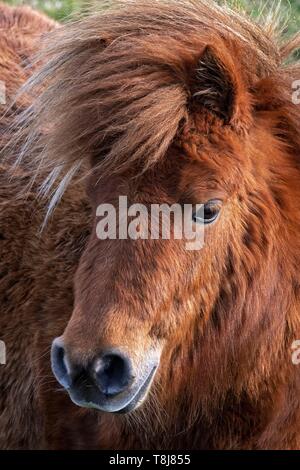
(62, 9)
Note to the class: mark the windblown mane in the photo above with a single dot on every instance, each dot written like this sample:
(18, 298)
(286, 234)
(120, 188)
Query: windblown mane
(114, 86)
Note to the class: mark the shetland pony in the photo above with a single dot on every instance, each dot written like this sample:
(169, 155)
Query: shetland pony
(163, 102)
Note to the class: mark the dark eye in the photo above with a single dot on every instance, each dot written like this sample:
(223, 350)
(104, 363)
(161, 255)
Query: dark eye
(208, 213)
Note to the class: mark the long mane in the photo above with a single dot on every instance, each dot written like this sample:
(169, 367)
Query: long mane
(112, 88)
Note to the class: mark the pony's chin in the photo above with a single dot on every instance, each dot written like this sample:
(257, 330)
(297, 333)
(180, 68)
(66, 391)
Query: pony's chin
(124, 404)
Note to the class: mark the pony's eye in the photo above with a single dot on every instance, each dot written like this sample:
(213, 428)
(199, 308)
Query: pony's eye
(208, 213)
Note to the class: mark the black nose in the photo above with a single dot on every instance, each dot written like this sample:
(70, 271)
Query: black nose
(112, 373)
(60, 366)
(109, 372)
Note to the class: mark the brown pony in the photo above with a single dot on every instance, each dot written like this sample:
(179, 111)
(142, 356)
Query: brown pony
(163, 102)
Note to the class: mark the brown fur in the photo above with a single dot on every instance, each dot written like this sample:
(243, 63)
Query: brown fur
(134, 100)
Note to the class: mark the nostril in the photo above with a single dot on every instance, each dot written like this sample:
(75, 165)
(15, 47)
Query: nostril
(112, 373)
(59, 363)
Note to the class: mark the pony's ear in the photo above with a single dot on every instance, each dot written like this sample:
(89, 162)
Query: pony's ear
(216, 85)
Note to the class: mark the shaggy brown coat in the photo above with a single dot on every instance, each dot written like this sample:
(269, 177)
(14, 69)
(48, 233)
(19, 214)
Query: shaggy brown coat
(197, 102)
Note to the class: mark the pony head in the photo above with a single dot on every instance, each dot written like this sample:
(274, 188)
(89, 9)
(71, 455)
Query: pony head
(172, 102)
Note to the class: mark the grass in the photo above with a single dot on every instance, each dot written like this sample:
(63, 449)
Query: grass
(58, 9)
(290, 9)
(62, 9)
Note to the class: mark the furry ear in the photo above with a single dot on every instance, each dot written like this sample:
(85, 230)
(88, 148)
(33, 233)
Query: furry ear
(218, 87)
